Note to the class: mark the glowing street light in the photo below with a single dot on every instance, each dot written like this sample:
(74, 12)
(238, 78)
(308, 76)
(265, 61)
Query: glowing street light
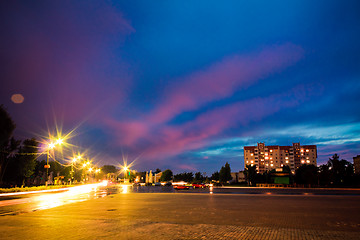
(125, 169)
(72, 166)
(50, 146)
(59, 141)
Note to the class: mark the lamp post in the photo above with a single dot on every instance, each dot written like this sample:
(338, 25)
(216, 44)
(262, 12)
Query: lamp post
(47, 166)
(96, 171)
(125, 169)
(72, 167)
(50, 146)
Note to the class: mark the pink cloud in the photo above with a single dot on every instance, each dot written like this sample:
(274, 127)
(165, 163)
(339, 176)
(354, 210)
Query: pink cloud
(169, 141)
(186, 167)
(218, 81)
(222, 79)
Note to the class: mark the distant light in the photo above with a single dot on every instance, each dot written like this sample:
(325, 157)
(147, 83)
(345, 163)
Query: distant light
(59, 141)
(51, 145)
(17, 98)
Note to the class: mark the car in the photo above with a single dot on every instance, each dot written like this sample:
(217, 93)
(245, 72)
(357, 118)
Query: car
(181, 187)
(168, 184)
(158, 184)
(198, 185)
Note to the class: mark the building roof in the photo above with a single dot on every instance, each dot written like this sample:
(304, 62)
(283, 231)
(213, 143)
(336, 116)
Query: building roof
(249, 147)
(309, 146)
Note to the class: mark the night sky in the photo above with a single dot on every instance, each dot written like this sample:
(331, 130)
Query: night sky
(184, 84)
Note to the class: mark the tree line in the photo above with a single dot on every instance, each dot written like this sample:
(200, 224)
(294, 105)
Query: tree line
(222, 176)
(334, 173)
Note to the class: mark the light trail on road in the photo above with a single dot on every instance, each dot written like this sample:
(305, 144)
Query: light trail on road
(45, 199)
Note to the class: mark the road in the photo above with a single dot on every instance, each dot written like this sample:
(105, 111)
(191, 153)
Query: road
(181, 215)
(16, 203)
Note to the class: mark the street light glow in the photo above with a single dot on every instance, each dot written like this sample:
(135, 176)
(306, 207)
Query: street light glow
(51, 145)
(59, 141)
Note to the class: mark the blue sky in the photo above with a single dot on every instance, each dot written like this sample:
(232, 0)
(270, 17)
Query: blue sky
(184, 85)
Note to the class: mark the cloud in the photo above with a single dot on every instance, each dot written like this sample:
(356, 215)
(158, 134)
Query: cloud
(167, 141)
(218, 81)
(222, 79)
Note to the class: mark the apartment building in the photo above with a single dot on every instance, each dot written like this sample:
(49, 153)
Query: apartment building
(266, 158)
(357, 164)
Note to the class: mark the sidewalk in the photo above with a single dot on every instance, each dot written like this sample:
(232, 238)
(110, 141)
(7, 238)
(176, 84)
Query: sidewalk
(192, 216)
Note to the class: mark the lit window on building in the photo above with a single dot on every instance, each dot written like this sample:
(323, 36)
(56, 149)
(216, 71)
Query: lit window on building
(286, 161)
(307, 150)
(270, 150)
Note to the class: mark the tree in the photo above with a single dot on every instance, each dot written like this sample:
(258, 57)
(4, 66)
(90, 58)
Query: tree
(7, 144)
(158, 170)
(225, 173)
(166, 175)
(341, 171)
(306, 174)
(324, 175)
(109, 169)
(186, 177)
(250, 174)
(7, 127)
(199, 177)
(22, 165)
(215, 176)
(28, 160)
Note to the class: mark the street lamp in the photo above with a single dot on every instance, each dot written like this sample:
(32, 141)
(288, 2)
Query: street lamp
(51, 146)
(78, 157)
(125, 169)
(96, 171)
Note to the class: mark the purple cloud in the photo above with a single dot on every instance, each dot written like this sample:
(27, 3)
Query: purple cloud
(223, 78)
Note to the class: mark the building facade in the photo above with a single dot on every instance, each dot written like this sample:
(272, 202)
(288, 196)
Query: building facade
(357, 164)
(151, 177)
(238, 177)
(266, 158)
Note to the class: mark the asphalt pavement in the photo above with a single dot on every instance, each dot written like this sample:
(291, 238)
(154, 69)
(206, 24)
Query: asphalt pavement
(192, 216)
